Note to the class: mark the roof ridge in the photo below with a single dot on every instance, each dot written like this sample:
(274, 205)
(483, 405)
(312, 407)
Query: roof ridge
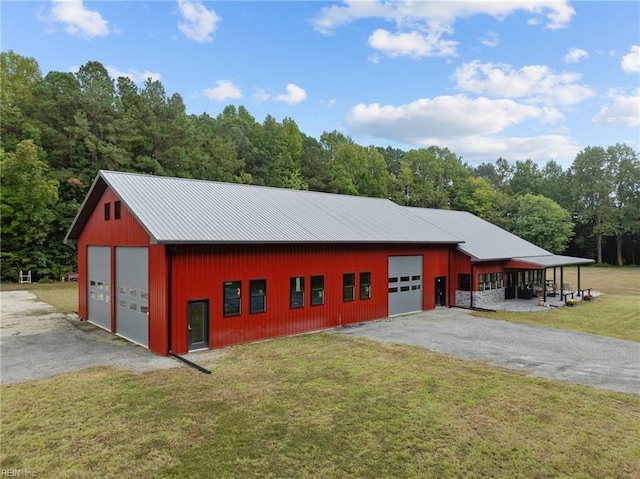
(246, 185)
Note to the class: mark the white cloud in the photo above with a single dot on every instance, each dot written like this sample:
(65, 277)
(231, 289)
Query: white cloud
(631, 61)
(535, 83)
(622, 110)
(76, 18)
(491, 39)
(134, 75)
(470, 127)
(223, 90)
(445, 117)
(198, 23)
(413, 44)
(477, 149)
(575, 55)
(294, 94)
(422, 26)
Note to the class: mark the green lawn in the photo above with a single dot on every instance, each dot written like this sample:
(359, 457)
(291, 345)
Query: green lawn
(319, 406)
(62, 296)
(616, 314)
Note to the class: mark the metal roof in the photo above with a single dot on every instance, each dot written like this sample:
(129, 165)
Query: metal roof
(176, 210)
(484, 241)
(551, 261)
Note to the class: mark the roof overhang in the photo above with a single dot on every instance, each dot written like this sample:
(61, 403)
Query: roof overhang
(91, 200)
(552, 261)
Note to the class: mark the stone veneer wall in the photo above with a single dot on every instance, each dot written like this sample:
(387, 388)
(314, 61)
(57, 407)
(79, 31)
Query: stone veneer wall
(481, 299)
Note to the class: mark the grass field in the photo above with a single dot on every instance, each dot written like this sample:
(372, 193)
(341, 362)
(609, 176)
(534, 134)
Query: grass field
(327, 406)
(319, 406)
(62, 296)
(616, 314)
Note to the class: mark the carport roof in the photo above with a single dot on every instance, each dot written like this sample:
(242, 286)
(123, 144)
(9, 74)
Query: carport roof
(176, 210)
(551, 261)
(485, 241)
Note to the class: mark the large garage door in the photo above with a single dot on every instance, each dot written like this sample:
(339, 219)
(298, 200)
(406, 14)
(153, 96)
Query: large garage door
(132, 307)
(405, 284)
(99, 285)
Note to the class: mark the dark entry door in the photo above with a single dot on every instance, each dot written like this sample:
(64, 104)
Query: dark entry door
(198, 325)
(441, 291)
(509, 285)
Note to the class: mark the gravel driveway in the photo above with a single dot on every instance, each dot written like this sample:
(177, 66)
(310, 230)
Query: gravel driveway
(538, 351)
(36, 342)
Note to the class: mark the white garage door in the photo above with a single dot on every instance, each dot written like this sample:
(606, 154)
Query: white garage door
(99, 286)
(132, 307)
(405, 284)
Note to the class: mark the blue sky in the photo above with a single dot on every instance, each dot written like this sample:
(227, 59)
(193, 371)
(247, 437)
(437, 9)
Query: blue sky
(515, 79)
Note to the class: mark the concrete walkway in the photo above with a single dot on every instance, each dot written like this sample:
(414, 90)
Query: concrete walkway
(532, 305)
(544, 352)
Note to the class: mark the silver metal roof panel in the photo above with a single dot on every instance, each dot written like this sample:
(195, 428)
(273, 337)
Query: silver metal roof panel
(484, 241)
(552, 261)
(176, 210)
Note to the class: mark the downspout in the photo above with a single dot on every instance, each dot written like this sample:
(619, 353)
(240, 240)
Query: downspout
(169, 294)
(448, 298)
(170, 250)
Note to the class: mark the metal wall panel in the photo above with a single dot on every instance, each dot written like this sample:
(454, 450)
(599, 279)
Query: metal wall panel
(159, 298)
(99, 232)
(132, 294)
(199, 273)
(405, 284)
(99, 286)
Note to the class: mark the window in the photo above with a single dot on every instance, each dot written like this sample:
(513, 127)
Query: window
(348, 286)
(317, 290)
(107, 211)
(365, 285)
(258, 291)
(297, 292)
(232, 296)
(489, 281)
(464, 282)
(117, 210)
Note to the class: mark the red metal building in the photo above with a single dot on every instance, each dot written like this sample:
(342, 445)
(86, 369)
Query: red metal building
(177, 265)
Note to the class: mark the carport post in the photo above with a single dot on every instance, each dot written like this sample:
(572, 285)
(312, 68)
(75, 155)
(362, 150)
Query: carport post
(561, 283)
(579, 291)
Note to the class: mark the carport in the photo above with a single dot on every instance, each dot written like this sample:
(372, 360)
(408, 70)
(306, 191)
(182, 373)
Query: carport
(554, 262)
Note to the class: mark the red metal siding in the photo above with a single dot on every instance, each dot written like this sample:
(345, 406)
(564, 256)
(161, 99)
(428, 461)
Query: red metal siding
(158, 299)
(125, 231)
(200, 271)
(460, 264)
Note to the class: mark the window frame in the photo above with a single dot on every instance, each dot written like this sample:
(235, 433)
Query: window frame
(464, 279)
(316, 289)
(253, 282)
(225, 287)
(117, 210)
(365, 286)
(346, 287)
(107, 211)
(490, 281)
(293, 283)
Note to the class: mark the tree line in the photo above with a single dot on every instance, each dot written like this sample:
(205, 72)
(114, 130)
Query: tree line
(58, 130)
